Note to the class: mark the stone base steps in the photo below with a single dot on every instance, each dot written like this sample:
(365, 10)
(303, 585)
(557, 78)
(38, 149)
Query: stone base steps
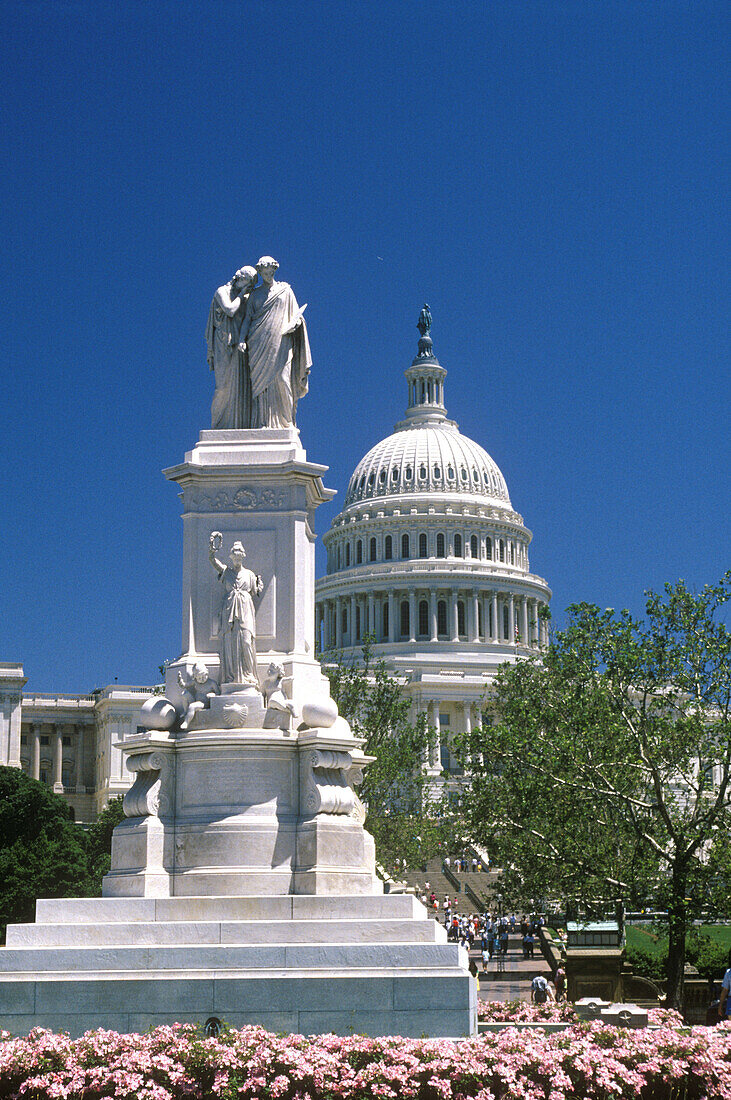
(375, 964)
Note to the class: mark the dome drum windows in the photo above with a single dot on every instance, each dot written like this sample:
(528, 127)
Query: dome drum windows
(359, 552)
(372, 550)
(488, 548)
(442, 618)
(441, 550)
(458, 546)
(423, 552)
(461, 628)
(405, 546)
(474, 547)
(347, 555)
(405, 619)
(388, 548)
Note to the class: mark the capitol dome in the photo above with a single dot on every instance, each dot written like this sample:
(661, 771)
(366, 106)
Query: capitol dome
(429, 561)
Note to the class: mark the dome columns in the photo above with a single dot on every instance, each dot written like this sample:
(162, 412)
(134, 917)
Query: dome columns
(411, 614)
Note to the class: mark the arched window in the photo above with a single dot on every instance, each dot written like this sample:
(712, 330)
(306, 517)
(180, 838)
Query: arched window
(441, 553)
(394, 473)
(474, 547)
(463, 473)
(437, 472)
(362, 481)
(338, 557)
(347, 554)
(404, 546)
(460, 617)
(450, 473)
(405, 619)
(371, 481)
(344, 620)
(422, 472)
(475, 475)
(358, 552)
(423, 617)
(385, 618)
(422, 545)
(512, 553)
(442, 617)
(458, 546)
(480, 629)
(372, 550)
(506, 625)
(408, 472)
(388, 548)
(502, 550)
(382, 477)
(488, 548)
(357, 622)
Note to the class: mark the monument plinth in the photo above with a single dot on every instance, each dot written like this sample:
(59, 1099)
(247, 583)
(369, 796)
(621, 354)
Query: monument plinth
(242, 881)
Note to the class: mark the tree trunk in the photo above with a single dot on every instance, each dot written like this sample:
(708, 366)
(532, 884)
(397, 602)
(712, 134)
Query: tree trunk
(677, 927)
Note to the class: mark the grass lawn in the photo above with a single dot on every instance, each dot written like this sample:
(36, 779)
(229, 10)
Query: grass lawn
(644, 939)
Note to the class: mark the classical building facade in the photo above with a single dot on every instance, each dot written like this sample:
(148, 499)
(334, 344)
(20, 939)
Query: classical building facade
(69, 742)
(429, 558)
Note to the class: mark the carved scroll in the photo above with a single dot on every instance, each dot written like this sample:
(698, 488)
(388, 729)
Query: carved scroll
(143, 797)
(325, 783)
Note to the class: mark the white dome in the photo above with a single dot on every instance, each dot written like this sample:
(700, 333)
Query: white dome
(434, 458)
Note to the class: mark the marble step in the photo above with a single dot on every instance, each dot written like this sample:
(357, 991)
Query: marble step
(272, 956)
(242, 932)
(268, 908)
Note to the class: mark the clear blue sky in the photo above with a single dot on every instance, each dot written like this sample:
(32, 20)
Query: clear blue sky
(548, 176)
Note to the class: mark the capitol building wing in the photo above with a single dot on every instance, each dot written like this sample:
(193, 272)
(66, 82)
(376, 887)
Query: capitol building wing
(429, 559)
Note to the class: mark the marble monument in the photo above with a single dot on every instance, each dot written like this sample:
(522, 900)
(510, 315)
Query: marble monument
(243, 884)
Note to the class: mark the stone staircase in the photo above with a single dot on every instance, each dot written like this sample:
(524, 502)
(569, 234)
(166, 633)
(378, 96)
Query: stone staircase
(473, 890)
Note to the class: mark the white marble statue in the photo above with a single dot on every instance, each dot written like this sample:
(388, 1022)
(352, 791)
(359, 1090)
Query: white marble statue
(231, 406)
(198, 690)
(238, 624)
(280, 709)
(274, 335)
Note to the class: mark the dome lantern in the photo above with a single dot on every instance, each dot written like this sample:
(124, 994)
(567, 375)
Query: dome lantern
(425, 380)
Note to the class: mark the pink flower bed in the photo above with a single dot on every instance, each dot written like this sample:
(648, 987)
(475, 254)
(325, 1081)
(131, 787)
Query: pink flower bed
(590, 1062)
(555, 1012)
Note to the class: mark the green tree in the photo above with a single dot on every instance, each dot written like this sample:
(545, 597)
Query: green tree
(42, 851)
(98, 843)
(406, 822)
(607, 774)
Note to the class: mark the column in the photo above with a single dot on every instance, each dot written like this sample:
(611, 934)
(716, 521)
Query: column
(80, 754)
(433, 636)
(511, 618)
(435, 757)
(58, 760)
(474, 623)
(454, 616)
(524, 620)
(351, 621)
(339, 622)
(412, 616)
(391, 615)
(35, 767)
(494, 637)
(372, 613)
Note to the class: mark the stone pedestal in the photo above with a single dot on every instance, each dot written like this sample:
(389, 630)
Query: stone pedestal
(257, 486)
